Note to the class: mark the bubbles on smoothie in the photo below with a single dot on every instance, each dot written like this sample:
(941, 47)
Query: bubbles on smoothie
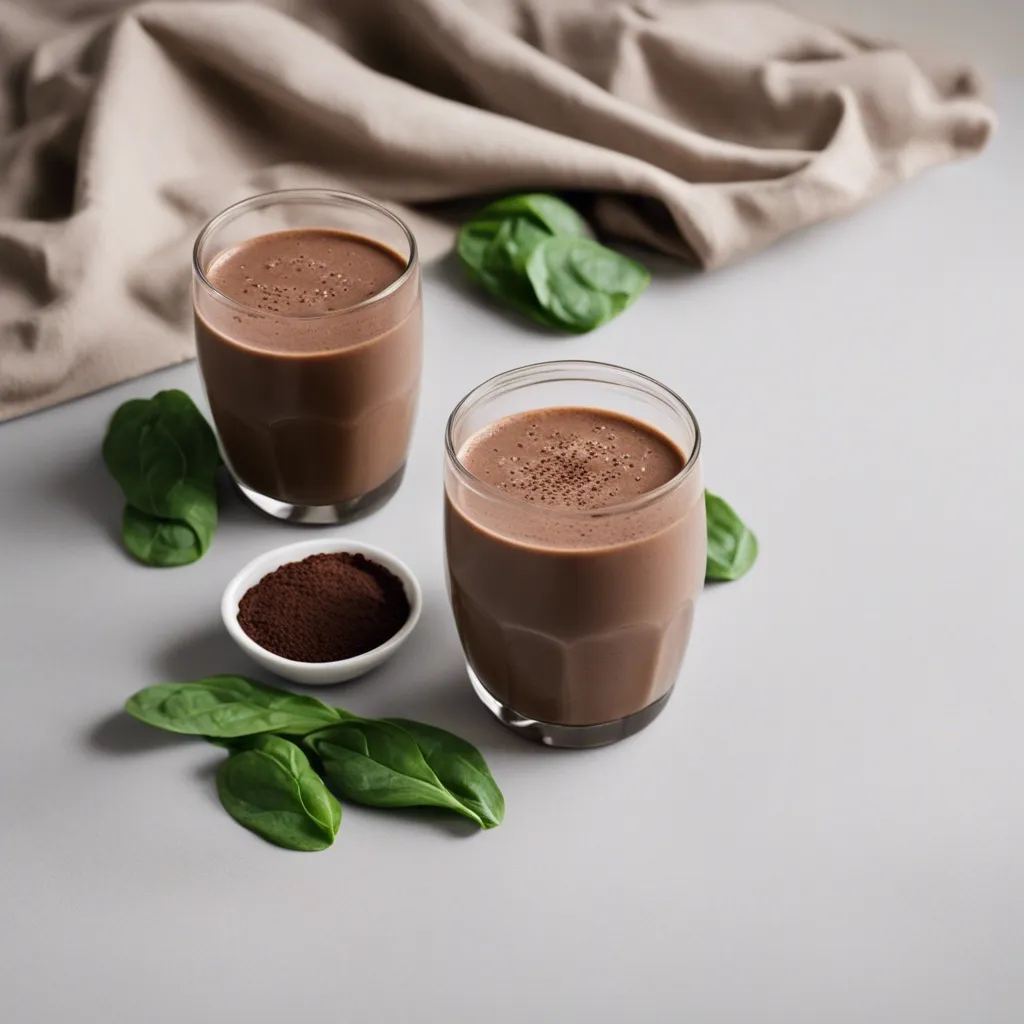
(563, 458)
(304, 272)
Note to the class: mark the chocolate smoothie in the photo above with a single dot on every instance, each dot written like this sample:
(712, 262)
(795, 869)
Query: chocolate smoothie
(312, 364)
(574, 596)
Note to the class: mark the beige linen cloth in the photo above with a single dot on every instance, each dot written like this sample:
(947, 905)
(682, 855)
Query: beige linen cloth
(705, 129)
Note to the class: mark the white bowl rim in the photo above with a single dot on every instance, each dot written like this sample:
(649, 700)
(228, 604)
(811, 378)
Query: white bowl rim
(233, 593)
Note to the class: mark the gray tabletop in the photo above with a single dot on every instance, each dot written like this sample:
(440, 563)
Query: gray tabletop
(826, 823)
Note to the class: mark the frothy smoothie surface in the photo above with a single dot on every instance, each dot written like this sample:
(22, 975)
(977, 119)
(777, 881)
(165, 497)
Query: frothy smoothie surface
(572, 458)
(305, 272)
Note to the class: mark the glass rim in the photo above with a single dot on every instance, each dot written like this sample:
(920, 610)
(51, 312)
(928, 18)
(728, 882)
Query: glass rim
(530, 374)
(326, 196)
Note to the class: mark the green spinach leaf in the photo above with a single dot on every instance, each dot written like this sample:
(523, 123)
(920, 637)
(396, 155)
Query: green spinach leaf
(472, 242)
(534, 253)
(459, 767)
(378, 763)
(225, 707)
(164, 456)
(732, 548)
(550, 212)
(581, 284)
(510, 248)
(161, 451)
(168, 542)
(271, 788)
(494, 253)
(387, 762)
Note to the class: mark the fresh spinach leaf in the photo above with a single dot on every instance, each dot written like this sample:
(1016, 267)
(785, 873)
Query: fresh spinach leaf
(164, 456)
(378, 763)
(552, 213)
(581, 284)
(161, 451)
(168, 542)
(534, 253)
(459, 767)
(225, 707)
(511, 246)
(271, 788)
(387, 762)
(472, 242)
(732, 548)
(494, 253)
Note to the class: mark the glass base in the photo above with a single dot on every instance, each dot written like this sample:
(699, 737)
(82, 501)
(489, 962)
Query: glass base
(577, 737)
(324, 515)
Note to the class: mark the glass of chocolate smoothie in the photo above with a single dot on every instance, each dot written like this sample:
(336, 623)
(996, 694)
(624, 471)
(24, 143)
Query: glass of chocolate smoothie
(309, 336)
(576, 541)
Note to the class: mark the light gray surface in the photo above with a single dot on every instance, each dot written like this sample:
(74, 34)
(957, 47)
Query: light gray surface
(825, 826)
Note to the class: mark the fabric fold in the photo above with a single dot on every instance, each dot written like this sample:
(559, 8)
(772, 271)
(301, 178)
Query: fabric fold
(705, 129)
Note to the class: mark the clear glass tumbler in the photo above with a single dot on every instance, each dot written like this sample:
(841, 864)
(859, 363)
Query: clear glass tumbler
(574, 621)
(314, 410)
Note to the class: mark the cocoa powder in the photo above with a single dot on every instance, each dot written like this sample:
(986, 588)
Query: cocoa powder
(324, 608)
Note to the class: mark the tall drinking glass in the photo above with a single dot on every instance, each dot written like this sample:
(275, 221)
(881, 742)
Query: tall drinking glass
(572, 585)
(309, 337)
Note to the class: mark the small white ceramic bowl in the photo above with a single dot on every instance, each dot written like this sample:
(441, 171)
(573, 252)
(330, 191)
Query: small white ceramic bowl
(317, 673)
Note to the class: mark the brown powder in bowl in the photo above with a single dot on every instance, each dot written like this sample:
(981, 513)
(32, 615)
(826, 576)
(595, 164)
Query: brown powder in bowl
(324, 608)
